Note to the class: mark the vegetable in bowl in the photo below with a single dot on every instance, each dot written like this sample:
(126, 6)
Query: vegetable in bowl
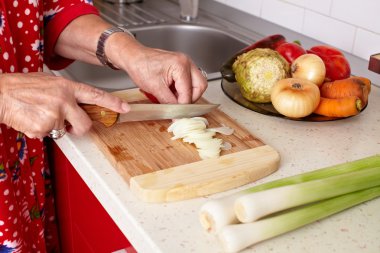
(257, 71)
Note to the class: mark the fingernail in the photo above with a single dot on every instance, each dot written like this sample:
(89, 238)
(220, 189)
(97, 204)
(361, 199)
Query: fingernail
(125, 106)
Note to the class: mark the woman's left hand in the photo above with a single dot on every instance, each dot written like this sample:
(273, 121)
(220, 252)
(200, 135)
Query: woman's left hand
(155, 71)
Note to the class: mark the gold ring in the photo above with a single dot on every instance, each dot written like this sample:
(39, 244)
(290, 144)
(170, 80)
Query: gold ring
(57, 133)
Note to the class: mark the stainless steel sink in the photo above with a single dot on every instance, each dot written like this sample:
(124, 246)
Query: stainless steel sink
(207, 46)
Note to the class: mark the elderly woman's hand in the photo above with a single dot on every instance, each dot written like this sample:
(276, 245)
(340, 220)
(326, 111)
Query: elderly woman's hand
(37, 103)
(155, 70)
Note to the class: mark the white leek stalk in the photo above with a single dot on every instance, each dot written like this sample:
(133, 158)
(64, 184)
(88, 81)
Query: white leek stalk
(218, 213)
(215, 214)
(253, 206)
(239, 236)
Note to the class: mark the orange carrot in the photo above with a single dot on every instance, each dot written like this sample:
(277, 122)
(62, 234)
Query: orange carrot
(339, 107)
(352, 86)
(366, 81)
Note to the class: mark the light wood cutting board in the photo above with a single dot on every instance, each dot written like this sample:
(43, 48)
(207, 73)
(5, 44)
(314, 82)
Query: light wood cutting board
(159, 169)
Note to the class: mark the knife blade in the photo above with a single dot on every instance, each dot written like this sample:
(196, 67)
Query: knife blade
(142, 112)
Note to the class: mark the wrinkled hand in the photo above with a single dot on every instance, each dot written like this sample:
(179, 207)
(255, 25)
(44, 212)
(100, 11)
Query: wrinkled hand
(155, 71)
(36, 103)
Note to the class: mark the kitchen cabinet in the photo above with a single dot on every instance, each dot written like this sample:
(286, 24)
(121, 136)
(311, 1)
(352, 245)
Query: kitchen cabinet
(84, 225)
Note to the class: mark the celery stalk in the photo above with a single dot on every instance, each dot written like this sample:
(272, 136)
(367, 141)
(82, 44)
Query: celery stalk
(239, 236)
(216, 214)
(253, 206)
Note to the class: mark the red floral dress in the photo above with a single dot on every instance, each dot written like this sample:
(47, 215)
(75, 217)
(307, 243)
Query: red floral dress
(27, 217)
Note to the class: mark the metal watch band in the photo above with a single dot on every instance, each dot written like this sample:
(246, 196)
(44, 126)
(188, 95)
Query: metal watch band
(101, 43)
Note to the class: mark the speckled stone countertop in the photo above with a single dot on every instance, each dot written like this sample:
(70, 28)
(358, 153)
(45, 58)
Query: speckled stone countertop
(303, 146)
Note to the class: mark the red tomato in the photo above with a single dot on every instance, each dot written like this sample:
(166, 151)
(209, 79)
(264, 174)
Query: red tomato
(337, 66)
(153, 99)
(290, 51)
(325, 50)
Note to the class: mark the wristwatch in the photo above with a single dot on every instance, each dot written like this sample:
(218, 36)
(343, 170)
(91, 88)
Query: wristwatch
(102, 41)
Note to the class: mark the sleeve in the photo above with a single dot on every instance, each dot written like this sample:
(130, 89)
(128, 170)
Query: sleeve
(57, 15)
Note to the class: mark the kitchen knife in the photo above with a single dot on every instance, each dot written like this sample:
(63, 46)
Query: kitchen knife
(141, 112)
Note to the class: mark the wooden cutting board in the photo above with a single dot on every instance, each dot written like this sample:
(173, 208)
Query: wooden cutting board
(159, 169)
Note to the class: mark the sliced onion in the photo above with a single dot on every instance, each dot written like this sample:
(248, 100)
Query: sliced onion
(201, 119)
(185, 127)
(207, 154)
(194, 137)
(226, 146)
(209, 144)
(194, 131)
(181, 123)
(222, 130)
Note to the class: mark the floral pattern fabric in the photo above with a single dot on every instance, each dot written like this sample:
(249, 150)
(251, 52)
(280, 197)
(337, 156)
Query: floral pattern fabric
(27, 216)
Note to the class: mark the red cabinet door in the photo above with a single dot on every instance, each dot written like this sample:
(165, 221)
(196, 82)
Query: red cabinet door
(84, 225)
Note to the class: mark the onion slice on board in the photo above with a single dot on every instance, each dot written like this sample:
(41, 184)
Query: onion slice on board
(195, 131)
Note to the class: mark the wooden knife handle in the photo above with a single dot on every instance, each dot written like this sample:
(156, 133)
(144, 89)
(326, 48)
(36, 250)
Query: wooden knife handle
(101, 114)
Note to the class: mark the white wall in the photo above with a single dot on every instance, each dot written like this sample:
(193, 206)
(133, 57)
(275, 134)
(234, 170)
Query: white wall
(351, 25)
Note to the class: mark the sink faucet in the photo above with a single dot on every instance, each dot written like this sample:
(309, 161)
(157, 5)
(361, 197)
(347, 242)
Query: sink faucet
(189, 9)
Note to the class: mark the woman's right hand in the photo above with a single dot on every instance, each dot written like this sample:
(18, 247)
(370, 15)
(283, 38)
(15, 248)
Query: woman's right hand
(36, 103)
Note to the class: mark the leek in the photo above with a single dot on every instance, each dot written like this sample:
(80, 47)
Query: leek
(253, 206)
(216, 214)
(239, 236)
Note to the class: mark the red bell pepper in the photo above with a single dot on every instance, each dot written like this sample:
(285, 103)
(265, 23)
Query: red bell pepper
(272, 42)
(152, 98)
(290, 51)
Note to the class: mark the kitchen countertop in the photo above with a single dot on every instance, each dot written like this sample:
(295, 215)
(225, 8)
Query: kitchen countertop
(303, 146)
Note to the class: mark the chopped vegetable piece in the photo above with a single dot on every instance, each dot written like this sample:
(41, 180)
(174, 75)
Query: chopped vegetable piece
(195, 131)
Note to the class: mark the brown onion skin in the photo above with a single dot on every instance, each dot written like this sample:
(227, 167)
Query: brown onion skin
(295, 98)
(310, 67)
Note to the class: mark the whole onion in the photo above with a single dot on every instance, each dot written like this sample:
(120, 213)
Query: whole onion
(309, 67)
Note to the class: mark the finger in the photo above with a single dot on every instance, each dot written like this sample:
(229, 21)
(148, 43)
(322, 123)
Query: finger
(90, 95)
(57, 123)
(165, 96)
(199, 83)
(31, 135)
(183, 85)
(79, 121)
(47, 121)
